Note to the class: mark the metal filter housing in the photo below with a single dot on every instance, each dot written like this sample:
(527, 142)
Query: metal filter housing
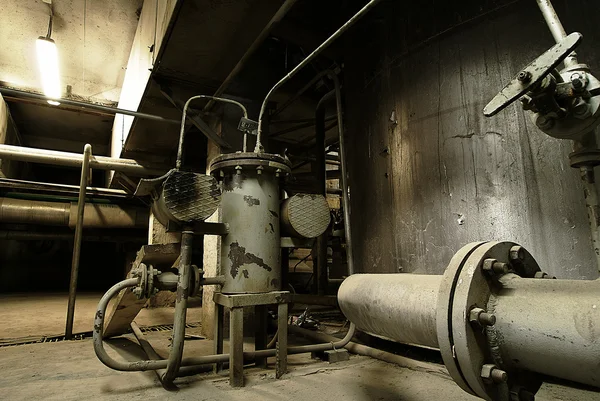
(250, 252)
(305, 215)
(187, 197)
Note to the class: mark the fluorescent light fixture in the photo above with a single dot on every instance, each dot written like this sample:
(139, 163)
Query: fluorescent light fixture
(47, 56)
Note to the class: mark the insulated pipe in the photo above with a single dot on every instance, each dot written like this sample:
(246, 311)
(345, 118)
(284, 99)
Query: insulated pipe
(96, 215)
(306, 61)
(549, 326)
(144, 365)
(397, 307)
(56, 158)
(85, 174)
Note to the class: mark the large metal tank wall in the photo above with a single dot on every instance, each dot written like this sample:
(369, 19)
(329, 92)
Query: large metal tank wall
(428, 172)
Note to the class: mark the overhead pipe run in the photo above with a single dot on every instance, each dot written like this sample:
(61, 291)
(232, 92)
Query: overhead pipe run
(500, 323)
(20, 211)
(85, 105)
(57, 158)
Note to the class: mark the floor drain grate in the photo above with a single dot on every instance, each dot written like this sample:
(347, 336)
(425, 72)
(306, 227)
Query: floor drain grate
(11, 342)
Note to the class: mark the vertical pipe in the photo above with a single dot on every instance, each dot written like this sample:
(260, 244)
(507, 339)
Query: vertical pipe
(320, 266)
(85, 170)
(344, 175)
(588, 177)
(556, 27)
(183, 286)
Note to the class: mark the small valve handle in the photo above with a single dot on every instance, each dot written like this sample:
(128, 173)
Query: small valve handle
(533, 74)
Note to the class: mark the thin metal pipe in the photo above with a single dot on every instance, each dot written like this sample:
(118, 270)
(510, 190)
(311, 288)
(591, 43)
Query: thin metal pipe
(183, 289)
(56, 158)
(303, 63)
(556, 27)
(144, 365)
(85, 173)
(297, 95)
(344, 176)
(184, 114)
(150, 353)
(61, 188)
(90, 106)
(283, 10)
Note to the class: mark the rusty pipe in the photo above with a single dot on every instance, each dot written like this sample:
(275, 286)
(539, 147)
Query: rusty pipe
(85, 174)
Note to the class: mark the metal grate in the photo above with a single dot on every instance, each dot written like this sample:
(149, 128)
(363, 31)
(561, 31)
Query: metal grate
(11, 342)
(309, 214)
(191, 197)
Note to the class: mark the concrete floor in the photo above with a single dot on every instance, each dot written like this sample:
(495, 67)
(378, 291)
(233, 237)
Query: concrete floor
(69, 370)
(44, 314)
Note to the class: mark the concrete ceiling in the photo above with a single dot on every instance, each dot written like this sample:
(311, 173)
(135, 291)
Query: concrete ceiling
(93, 39)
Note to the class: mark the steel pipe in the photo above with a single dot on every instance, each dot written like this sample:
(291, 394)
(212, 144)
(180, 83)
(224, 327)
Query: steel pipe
(306, 61)
(56, 158)
(556, 27)
(549, 326)
(21, 211)
(396, 307)
(90, 106)
(85, 174)
(151, 364)
(492, 310)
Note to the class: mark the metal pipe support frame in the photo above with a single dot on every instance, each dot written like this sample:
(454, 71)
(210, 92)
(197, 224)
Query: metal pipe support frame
(175, 359)
(500, 323)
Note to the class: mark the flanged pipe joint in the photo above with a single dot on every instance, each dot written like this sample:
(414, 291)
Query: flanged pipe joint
(500, 323)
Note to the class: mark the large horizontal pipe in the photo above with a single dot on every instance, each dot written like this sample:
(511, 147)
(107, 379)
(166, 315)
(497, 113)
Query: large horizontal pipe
(20, 211)
(550, 327)
(397, 307)
(56, 158)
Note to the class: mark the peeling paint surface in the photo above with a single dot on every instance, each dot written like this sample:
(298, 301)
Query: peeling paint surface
(239, 257)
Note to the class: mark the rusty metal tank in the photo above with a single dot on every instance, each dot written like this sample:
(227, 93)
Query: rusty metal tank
(250, 253)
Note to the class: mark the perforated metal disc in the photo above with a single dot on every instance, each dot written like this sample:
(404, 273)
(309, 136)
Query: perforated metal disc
(308, 214)
(191, 197)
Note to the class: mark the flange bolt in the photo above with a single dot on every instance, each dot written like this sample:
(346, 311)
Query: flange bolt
(517, 253)
(481, 317)
(492, 373)
(524, 76)
(494, 267)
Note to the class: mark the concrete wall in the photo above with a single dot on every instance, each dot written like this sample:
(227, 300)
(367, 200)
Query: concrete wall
(93, 40)
(8, 136)
(428, 172)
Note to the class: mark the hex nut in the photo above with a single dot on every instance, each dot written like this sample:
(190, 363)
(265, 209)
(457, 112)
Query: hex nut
(517, 252)
(494, 267)
(524, 76)
(492, 373)
(481, 317)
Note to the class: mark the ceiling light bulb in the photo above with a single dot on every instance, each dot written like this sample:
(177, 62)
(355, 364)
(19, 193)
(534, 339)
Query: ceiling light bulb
(47, 56)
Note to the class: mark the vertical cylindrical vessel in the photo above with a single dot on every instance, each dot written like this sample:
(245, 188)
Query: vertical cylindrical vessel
(397, 307)
(250, 252)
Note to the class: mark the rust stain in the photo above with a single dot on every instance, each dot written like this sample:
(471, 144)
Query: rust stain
(239, 257)
(251, 201)
(274, 214)
(245, 273)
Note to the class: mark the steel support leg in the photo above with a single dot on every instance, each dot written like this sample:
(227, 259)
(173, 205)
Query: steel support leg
(282, 340)
(236, 347)
(85, 172)
(260, 333)
(218, 344)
